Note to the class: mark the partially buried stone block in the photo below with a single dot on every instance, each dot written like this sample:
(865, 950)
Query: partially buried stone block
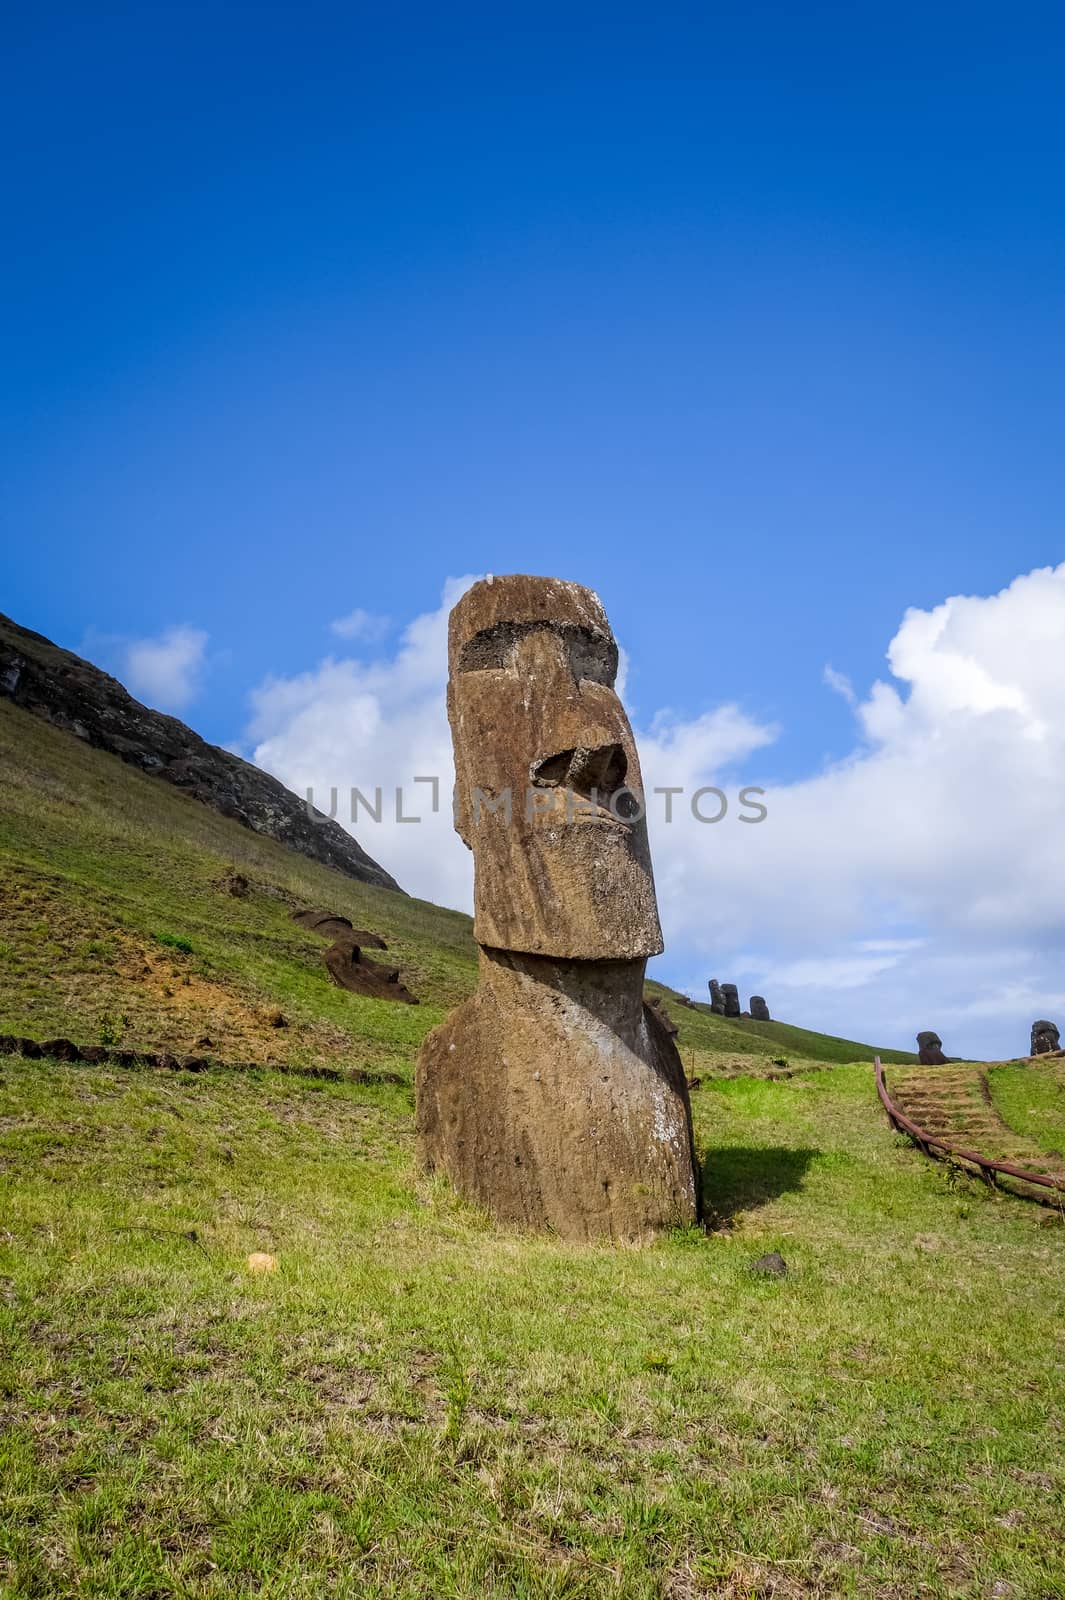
(930, 1050)
(553, 1096)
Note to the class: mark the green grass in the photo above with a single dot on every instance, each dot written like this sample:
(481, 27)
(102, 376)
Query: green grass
(104, 870)
(416, 1404)
(1031, 1098)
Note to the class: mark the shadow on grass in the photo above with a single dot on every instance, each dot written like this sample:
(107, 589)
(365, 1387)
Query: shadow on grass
(736, 1178)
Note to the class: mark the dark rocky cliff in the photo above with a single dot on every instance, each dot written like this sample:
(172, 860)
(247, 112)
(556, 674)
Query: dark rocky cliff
(73, 694)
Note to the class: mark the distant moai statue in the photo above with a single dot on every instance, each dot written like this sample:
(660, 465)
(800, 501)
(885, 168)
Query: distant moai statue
(731, 996)
(759, 1009)
(930, 1050)
(717, 999)
(1045, 1038)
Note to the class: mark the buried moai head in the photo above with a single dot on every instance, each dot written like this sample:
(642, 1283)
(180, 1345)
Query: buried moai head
(717, 999)
(930, 1050)
(1045, 1038)
(731, 996)
(548, 793)
(759, 1009)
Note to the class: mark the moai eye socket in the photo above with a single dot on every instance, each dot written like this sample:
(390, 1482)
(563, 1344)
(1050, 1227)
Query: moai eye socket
(592, 656)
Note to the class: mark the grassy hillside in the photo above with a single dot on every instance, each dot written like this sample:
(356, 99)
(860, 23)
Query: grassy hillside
(115, 926)
(706, 1032)
(415, 1404)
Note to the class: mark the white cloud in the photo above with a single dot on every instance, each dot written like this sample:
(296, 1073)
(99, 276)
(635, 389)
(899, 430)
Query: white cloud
(376, 725)
(358, 624)
(917, 884)
(166, 671)
(939, 834)
(840, 683)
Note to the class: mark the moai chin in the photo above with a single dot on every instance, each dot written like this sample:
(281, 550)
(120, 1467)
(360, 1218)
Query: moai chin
(553, 1096)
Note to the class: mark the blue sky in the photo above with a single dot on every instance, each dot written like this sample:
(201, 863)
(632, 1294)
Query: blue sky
(752, 318)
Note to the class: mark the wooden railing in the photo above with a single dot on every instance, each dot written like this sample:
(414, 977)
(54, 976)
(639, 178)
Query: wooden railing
(930, 1142)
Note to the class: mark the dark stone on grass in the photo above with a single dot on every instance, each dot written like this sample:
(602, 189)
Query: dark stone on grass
(60, 1049)
(168, 1062)
(94, 1053)
(930, 1050)
(731, 996)
(28, 1048)
(1045, 1038)
(772, 1265)
(8, 1044)
(194, 1063)
(717, 999)
(759, 1009)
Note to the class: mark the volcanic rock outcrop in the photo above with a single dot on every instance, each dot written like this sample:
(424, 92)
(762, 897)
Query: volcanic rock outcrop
(1045, 1038)
(930, 1050)
(553, 1096)
(759, 1009)
(74, 695)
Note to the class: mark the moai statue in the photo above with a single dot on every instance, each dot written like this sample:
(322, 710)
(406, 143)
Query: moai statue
(759, 1009)
(930, 1050)
(553, 1096)
(731, 996)
(717, 999)
(1045, 1038)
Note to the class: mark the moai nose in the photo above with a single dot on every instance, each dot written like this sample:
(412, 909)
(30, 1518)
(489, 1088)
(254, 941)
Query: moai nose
(587, 766)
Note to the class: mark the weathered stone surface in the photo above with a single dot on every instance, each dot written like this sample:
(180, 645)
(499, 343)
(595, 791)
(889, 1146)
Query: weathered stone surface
(1045, 1038)
(553, 1096)
(759, 1009)
(930, 1050)
(63, 689)
(331, 925)
(345, 962)
(717, 999)
(731, 996)
(351, 970)
(662, 1015)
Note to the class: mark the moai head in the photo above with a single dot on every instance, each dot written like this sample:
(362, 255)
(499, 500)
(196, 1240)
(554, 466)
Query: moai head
(759, 1009)
(548, 793)
(930, 1050)
(1045, 1037)
(717, 999)
(731, 996)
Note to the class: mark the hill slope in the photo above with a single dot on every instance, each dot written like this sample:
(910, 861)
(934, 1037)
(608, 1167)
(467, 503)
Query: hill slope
(106, 876)
(73, 694)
